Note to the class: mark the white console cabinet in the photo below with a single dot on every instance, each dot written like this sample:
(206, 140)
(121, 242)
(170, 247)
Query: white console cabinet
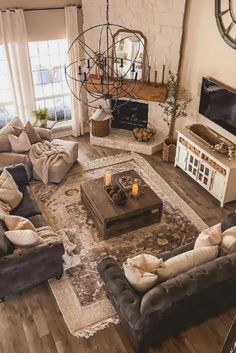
(212, 170)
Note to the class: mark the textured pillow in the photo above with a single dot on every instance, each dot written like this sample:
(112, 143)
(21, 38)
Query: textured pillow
(186, 261)
(32, 133)
(142, 281)
(6, 247)
(209, 237)
(141, 270)
(17, 223)
(20, 144)
(9, 192)
(14, 127)
(228, 243)
(23, 238)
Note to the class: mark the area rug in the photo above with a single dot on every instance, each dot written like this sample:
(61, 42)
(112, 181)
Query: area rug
(80, 294)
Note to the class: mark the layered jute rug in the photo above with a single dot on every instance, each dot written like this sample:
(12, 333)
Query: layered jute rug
(80, 293)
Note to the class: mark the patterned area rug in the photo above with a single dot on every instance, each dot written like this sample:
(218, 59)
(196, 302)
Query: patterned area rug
(80, 293)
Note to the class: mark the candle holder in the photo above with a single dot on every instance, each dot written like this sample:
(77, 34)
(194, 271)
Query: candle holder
(135, 189)
(163, 74)
(107, 180)
(155, 78)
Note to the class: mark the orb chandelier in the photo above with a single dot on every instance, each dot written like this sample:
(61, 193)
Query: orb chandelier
(102, 73)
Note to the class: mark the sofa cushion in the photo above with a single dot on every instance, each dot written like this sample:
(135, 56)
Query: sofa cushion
(209, 237)
(9, 192)
(19, 144)
(37, 221)
(186, 261)
(32, 133)
(28, 206)
(6, 247)
(23, 238)
(10, 128)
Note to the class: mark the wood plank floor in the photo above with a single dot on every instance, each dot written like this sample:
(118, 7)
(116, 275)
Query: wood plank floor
(31, 323)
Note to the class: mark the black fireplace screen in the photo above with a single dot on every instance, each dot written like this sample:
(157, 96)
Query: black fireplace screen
(130, 115)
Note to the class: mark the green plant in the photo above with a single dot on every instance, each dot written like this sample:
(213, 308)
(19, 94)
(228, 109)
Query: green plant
(175, 105)
(40, 113)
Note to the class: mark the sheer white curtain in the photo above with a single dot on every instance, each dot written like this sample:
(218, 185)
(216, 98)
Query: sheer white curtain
(72, 31)
(13, 35)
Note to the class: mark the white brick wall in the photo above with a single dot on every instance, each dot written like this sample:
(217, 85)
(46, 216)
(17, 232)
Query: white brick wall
(159, 20)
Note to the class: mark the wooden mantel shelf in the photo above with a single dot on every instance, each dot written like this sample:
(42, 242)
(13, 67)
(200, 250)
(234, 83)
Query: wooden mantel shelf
(139, 90)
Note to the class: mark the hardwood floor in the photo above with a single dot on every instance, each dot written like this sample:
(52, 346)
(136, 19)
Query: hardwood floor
(31, 322)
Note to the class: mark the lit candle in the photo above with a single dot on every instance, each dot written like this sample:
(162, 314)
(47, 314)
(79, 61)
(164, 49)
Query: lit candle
(107, 179)
(135, 190)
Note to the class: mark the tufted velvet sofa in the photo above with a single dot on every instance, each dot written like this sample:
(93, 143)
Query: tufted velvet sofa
(175, 304)
(31, 266)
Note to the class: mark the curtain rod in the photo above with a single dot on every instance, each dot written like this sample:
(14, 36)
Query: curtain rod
(45, 8)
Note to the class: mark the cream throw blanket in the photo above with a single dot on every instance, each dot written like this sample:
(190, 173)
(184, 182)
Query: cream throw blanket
(44, 154)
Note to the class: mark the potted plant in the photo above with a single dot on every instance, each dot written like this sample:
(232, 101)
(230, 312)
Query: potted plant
(174, 107)
(41, 115)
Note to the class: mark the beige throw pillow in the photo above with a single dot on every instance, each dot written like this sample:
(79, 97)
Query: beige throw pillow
(17, 223)
(20, 144)
(9, 192)
(228, 243)
(23, 238)
(141, 270)
(209, 237)
(186, 261)
(14, 127)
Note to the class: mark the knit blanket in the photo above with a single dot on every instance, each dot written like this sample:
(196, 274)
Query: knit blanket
(44, 154)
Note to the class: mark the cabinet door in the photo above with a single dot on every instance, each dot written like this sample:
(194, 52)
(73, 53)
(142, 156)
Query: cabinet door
(192, 165)
(204, 176)
(182, 156)
(217, 187)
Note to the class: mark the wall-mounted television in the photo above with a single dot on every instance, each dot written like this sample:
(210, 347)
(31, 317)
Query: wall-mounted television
(218, 104)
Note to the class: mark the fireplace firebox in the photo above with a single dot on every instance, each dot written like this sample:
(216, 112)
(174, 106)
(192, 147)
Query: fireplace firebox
(130, 115)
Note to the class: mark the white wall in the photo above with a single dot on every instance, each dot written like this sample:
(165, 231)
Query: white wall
(205, 53)
(159, 20)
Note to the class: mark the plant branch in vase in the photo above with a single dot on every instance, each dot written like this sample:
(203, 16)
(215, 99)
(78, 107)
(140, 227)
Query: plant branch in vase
(174, 107)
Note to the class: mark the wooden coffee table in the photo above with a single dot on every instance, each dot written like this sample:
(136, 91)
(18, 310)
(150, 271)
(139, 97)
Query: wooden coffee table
(111, 219)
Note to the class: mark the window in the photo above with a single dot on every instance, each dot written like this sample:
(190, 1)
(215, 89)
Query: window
(7, 107)
(51, 90)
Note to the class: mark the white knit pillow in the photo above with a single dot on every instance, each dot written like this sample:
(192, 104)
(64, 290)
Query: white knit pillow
(186, 261)
(20, 144)
(9, 192)
(23, 238)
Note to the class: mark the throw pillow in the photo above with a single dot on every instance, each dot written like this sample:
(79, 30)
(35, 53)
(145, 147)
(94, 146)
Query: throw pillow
(9, 192)
(23, 238)
(32, 133)
(186, 261)
(6, 247)
(228, 243)
(20, 144)
(229, 221)
(10, 128)
(209, 237)
(17, 223)
(142, 281)
(141, 270)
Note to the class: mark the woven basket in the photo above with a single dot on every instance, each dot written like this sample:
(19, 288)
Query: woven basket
(100, 128)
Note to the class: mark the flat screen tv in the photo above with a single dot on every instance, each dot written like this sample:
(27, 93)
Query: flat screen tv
(218, 104)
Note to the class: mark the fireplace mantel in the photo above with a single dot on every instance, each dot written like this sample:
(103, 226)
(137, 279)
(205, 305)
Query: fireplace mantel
(149, 91)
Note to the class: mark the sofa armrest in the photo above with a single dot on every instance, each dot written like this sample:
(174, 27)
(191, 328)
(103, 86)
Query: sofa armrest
(45, 134)
(197, 280)
(30, 267)
(123, 296)
(11, 159)
(168, 254)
